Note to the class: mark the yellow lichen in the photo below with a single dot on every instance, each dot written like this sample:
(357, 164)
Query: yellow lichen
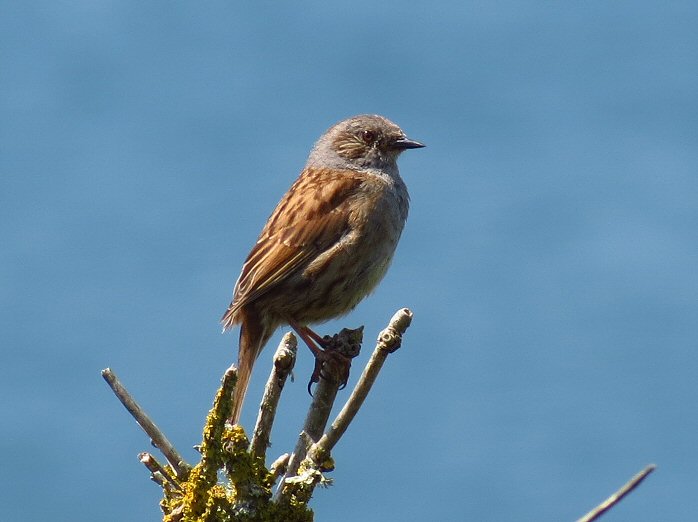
(245, 495)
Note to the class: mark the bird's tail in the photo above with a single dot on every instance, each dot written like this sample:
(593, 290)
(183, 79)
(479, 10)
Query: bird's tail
(253, 337)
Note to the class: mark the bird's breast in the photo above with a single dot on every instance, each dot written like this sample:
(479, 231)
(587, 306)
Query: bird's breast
(353, 267)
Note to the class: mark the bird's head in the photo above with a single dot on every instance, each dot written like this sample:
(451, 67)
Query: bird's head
(365, 141)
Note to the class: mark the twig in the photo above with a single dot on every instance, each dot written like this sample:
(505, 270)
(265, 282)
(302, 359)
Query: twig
(389, 340)
(321, 405)
(611, 501)
(179, 465)
(158, 472)
(284, 360)
(315, 422)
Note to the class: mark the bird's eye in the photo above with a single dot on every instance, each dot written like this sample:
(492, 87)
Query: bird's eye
(368, 136)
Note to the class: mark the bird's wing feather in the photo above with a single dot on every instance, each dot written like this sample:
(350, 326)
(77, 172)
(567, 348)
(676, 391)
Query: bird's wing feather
(308, 220)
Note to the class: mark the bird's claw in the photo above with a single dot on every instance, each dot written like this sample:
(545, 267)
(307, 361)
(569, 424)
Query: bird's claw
(330, 365)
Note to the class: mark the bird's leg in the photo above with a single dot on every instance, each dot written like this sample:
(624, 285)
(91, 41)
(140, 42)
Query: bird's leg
(330, 353)
(310, 338)
(324, 342)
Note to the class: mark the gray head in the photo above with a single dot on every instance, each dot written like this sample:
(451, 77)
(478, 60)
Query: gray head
(367, 141)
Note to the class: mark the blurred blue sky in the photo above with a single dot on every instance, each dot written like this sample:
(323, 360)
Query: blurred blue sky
(550, 256)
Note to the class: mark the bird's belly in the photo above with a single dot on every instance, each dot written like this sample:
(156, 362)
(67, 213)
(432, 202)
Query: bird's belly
(363, 267)
(339, 278)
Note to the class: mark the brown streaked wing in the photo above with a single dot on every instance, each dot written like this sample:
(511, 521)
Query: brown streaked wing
(309, 219)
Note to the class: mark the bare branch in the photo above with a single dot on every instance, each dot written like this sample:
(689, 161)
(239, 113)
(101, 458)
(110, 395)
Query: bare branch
(611, 501)
(179, 465)
(284, 360)
(389, 340)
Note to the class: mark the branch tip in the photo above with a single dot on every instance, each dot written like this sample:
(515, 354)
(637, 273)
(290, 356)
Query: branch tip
(611, 501)
(159, 440)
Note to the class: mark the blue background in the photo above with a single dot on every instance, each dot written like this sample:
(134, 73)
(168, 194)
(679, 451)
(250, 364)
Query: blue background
(550, 257)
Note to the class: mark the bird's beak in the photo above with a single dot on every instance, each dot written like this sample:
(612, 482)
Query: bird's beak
(405, 143)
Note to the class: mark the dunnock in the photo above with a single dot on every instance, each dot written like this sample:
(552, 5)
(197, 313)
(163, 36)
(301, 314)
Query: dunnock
(327, 244)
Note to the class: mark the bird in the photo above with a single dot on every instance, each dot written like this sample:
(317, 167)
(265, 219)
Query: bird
(327, 244)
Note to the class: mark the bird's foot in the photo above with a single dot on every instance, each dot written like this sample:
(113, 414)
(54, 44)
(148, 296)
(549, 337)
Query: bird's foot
(333, 354)
(331, 366)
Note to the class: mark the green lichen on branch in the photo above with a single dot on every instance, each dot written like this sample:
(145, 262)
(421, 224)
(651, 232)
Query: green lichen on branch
(231, 481)
(299, 489)
(245, 493)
